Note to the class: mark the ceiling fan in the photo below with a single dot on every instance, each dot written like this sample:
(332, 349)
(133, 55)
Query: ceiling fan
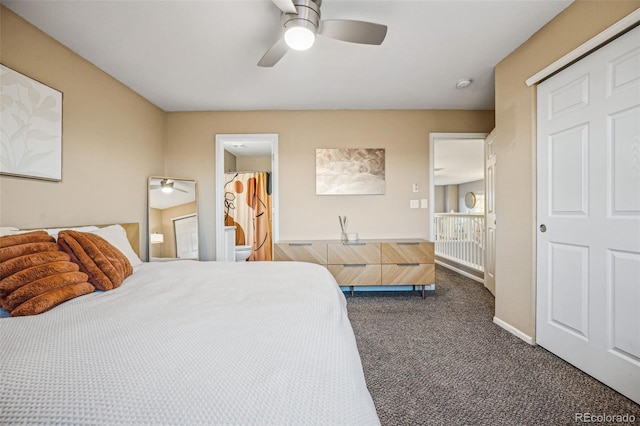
(167, 186)
(301, 23)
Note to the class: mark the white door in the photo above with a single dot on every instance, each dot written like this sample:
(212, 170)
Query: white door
(490, 213)
(588, 292)
(186, 230)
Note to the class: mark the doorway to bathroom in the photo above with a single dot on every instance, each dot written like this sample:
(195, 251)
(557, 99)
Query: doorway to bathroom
(246, 195)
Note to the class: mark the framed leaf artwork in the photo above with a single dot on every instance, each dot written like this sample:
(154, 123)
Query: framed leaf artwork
(31, 124)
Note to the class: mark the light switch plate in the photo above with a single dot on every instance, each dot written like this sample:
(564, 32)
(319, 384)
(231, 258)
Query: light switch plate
(424, 203)
(414, 204)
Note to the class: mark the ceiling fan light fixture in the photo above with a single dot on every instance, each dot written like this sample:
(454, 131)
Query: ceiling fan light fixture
(166, 187)
(299, 36)
(301, 24)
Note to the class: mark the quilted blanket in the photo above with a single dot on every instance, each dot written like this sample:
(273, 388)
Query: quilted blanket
(190, 343)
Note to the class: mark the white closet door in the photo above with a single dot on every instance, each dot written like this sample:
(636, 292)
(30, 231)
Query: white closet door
(588, 290)
(186, 230)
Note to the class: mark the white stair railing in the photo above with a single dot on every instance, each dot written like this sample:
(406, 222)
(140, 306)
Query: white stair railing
(460, 238)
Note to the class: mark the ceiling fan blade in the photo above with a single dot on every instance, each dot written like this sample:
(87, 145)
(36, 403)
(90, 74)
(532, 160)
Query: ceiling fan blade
(286, 6)
(155, 187)
(353, 31)
(274, 54)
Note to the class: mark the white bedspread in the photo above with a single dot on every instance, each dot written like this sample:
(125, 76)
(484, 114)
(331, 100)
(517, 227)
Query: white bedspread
(190, 343)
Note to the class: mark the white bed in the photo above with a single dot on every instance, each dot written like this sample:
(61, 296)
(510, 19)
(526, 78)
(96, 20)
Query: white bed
(190, 343)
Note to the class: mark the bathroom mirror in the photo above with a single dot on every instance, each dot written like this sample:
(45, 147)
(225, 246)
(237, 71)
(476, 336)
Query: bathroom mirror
(173, 219)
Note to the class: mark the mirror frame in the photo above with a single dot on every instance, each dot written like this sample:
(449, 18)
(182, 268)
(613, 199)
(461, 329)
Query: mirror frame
(470, 200)
(149, 226)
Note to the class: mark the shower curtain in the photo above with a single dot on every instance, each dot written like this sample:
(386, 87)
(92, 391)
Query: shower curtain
(248, 207)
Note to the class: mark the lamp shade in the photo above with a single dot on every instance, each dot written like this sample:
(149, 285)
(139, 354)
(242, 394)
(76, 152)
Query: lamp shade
(156, 238)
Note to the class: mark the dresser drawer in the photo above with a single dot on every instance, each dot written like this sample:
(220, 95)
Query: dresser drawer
(411, 274)
(339, 253)
(301, 252)
(359, 274)
(407, 252)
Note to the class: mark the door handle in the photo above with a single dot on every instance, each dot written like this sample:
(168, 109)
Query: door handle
(543, 228)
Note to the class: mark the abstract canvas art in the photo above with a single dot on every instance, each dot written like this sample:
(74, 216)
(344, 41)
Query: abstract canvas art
(31, 124)
(350, 171)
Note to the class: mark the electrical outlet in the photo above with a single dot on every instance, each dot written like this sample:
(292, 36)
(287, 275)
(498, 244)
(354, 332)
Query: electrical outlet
(414, 204)
(415, 187)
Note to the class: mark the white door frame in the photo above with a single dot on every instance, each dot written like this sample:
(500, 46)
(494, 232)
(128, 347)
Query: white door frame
(432, 144)
(245, 138)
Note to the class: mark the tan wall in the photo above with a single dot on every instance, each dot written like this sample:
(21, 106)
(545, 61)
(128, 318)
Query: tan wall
(112, 140)
(253, 164)
(439, 199)
(230, 162)
(404, 134)
(451, 199)
(516, 148)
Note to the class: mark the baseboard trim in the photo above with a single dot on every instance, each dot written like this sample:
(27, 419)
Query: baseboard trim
(511, 329)
(460, 271)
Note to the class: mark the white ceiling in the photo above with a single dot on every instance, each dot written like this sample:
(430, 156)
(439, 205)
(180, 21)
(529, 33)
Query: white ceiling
(202, 55)
(184, 192)
(458, 161)
(249, 148)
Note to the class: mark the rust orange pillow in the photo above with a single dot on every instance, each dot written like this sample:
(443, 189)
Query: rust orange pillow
(46, 301)
(44, 288)
(16, 264)
(25, 276)
(21, 244)
(35, 276)
(105, 265)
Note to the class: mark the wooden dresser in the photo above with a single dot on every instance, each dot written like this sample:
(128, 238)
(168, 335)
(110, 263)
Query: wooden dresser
(366, 262)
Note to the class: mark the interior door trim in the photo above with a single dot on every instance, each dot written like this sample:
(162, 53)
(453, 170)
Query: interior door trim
(432, 143)
(219, 182)
(625, 24)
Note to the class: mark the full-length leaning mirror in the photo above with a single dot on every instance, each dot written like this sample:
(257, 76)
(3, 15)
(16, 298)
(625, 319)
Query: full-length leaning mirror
(173, 219)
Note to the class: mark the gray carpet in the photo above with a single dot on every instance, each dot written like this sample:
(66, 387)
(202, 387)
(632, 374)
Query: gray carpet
(442, 361)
